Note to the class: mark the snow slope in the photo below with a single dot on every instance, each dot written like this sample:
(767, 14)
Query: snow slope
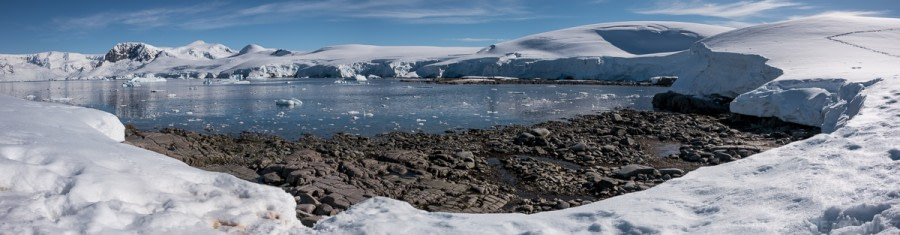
(843, 182)
(608, 51)
(63, 171)
(809, 71)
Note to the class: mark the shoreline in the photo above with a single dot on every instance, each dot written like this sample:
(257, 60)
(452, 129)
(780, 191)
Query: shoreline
(497, 81)
(526, 169)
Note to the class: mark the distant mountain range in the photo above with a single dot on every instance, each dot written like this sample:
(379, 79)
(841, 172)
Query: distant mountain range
(608, 51)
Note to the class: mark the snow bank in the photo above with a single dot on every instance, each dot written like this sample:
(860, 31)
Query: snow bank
(63, 170)
(809, 71)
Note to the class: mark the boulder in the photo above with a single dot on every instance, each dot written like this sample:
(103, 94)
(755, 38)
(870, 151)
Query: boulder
(633, 170)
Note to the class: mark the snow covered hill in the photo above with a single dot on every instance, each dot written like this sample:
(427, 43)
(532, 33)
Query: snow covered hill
(610, 51)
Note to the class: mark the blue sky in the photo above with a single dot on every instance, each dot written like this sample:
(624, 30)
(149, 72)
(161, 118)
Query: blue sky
(95, 26)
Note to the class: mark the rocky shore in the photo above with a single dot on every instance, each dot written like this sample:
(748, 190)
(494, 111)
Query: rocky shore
(526, 169)
(494, 81)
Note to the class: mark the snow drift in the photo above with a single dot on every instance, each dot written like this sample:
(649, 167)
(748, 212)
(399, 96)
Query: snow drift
(63, 170)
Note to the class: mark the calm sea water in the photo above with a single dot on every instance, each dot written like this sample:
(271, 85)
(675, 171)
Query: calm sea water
(375, 107)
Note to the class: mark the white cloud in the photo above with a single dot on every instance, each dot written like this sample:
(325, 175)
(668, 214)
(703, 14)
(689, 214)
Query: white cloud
(739, 9)
(212, 16)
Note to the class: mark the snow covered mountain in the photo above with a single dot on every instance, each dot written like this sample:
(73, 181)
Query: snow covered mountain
(610, 51)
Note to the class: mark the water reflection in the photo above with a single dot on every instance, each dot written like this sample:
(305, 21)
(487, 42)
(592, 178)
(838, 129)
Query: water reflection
(371, 108)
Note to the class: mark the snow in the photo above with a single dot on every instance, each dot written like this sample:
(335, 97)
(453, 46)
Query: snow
(63, 171)
(800, 71)
(289, 102)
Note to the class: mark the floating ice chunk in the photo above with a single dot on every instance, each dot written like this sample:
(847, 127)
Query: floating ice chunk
(171, 95)
(29, 97)
(353, 112)
(289, 102)
(369, 114)
(516, 92)
(357, 77)
(189, 113)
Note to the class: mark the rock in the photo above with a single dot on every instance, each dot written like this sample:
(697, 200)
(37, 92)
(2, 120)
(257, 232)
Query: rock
(607, 183)
(722, 156)
(465, 155)
(272, 178)
(671, 171)
(542, 132)
(307, 199)
(308, 208)
(336, 201)
(304, 155)
(671, 101)
(579, 147)
(310, 221)
(609, 148)
(633, 170)
(241, 172)
(617, 118)
(323, 209)
(627, 142)
(524, 138)
(562, 205)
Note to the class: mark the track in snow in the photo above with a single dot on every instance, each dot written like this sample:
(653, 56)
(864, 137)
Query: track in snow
(832, 38)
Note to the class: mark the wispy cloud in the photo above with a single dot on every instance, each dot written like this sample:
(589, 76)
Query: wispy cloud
(843, 13)
(477, 39)
(735, 10)
(213, 16)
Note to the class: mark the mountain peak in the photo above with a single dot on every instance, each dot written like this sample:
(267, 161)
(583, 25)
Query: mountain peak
(136, 51)
(251, 48)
